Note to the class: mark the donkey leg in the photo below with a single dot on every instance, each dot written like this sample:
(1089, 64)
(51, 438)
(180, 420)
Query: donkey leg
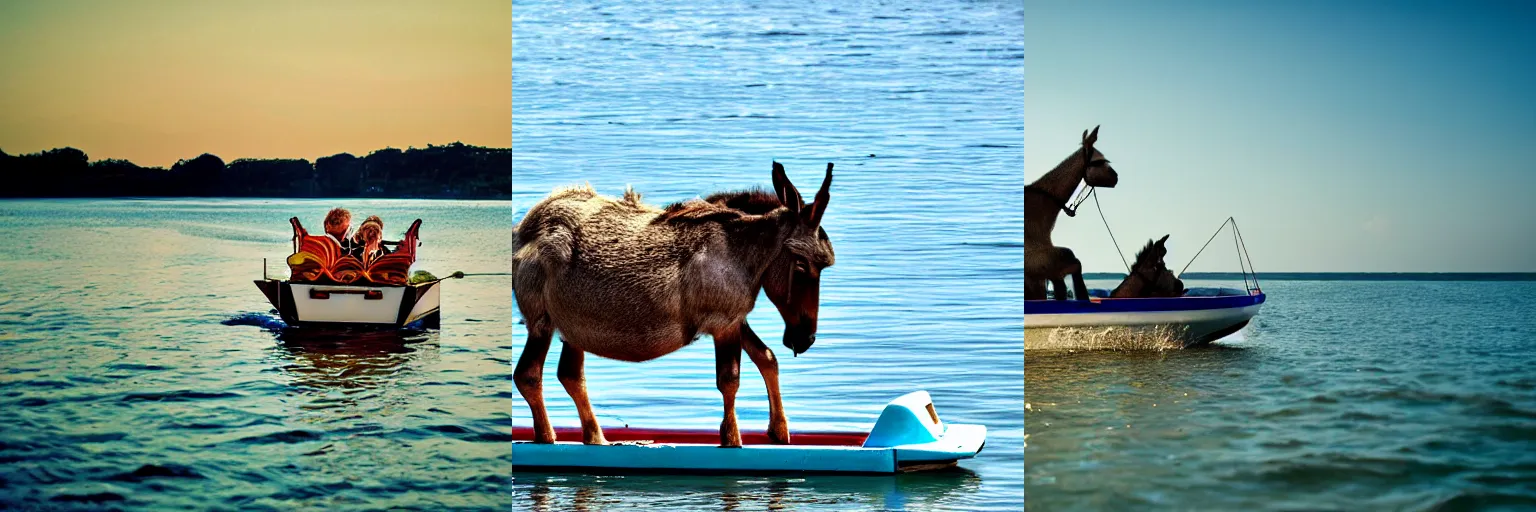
(1060, 284)
(768, 365)
(1070, 266)
(529, 377)
(1034, 289)
(570, 374)
(728, 379)
(1079, 287)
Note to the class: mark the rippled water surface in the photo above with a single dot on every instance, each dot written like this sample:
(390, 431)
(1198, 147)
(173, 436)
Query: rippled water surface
(1340, 396)
(141, 368)
(919, 104)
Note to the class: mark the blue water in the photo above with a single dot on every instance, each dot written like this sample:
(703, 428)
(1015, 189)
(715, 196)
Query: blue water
(1342, 395)
(141, 369)
(919, 104)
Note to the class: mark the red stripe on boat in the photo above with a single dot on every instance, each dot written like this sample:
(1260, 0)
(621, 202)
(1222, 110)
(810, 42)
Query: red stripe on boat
(698, 436)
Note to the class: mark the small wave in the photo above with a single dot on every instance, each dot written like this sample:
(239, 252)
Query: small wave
(1480, 500)
(262, 320)
(185, 395)
(95, 497)
(149, 471)
(288, 437)
(1330, 469)
(1009, 245)
(1520, 384)
(948, 33)
(137, 367)
(50, 384)
(448, 429)
(104, 437)
(493, 437)
(780, 33)
(1514, 433)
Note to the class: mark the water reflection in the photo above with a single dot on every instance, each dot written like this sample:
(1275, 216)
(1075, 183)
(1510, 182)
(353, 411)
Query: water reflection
(351, 359)
(548, 492)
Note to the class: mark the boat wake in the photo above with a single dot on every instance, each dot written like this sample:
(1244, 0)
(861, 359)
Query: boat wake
(262, 320)
(1163, 337)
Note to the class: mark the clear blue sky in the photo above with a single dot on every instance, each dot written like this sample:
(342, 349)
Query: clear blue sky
(1344, 136)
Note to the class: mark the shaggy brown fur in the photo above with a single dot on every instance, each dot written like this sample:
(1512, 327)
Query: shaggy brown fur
(1150, 276)
(1046, 198)
(631, 282)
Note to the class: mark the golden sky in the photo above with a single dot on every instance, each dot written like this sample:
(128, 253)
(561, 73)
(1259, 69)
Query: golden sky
(154, 81)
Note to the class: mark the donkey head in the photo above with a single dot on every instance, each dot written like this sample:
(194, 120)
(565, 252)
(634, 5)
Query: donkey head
(793, 280)
(1152, 273)
(1097, 169)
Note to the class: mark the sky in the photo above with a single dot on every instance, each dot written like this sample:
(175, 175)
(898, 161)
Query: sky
(1342, 136)
(155, 81)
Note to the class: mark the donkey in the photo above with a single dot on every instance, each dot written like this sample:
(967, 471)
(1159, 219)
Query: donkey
(631, 282)
(1043, 200)
(1150, 276)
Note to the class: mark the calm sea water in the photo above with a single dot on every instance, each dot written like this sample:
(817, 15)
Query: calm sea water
(919, 104)
(1340, 396)
(141, 369)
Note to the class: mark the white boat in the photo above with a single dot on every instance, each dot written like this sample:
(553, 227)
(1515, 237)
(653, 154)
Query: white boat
(907, 437)
(301, 304)
(1201, 316)
(330, 288)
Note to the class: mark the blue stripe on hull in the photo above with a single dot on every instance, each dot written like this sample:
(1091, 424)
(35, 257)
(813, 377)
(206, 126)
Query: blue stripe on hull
(1068, 307)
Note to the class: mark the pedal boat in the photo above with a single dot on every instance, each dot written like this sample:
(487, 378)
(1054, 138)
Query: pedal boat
(907, 437)
(1199, 317)
(330, 289)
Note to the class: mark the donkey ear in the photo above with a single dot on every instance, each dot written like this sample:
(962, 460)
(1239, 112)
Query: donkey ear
(1090, 138)
(819, 206)
(788, 195)
(1161, 240)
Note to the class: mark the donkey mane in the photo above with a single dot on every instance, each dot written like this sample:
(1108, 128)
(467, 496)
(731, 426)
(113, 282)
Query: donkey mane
(753, 201)
(1143, 255)
(720, 207)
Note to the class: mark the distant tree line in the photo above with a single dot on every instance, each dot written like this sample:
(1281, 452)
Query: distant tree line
(454, 171)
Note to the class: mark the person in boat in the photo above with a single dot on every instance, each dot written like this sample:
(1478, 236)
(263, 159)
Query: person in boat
(337, 223)
(368, 244)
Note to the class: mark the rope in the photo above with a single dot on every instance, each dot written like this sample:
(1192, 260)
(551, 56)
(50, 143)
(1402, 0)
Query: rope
(1207, 244)
(1244, 244)
(460, 275)
(1095, 195)
(1239, 248)
(1242, 255)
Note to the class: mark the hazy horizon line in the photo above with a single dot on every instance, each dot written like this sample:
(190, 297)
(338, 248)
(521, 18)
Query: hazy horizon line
(311, 160)
(1346, 276)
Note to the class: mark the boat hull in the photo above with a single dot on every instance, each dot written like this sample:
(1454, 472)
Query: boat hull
(1136, 323)
(907, 437)
(307, 304)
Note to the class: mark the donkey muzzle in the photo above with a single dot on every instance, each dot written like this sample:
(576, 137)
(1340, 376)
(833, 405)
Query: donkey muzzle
(797, 339)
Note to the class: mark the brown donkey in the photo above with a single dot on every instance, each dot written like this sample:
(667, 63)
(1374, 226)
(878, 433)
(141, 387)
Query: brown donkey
(631, 282)
(1150, 276)
(1043, 201)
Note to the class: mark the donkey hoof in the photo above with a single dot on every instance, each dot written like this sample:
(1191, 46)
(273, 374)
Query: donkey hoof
(778, 434)
(547, 437)
(595, 440)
